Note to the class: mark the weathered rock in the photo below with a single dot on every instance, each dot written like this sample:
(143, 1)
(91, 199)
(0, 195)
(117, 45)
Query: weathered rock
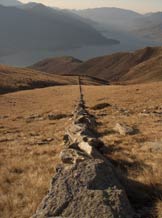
(72, 156)
(87, 190)
(87, 120)
(123, 129)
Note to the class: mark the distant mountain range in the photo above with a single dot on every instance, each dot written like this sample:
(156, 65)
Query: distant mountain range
(37, 27)
(10, 2)
(33, 31)
(147, 25)
(110, 16)
(136, 67)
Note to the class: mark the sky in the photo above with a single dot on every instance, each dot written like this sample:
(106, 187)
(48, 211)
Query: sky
(142, 6)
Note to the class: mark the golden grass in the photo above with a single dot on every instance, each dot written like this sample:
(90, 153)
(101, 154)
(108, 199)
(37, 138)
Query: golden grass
(138, 157)
(31, 142)
(15, 79)
(26, 164)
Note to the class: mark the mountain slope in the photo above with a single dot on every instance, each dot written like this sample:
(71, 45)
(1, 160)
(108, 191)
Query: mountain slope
(116, 66)
(43, 28)
(150, 26)
(58, 65)
(10, 3)
(111, 16)
(147, 71)
(14, 79)
(132, 67)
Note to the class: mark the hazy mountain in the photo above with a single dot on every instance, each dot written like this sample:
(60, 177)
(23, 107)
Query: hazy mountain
(148, 26)
(40, 27)
(143, 65)
(153, 18)
(10, 3)
(110, 16)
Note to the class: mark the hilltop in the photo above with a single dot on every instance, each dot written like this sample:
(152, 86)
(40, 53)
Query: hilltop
(57, 65)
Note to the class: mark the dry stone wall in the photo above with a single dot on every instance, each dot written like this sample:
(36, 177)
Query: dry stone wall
(85, 184)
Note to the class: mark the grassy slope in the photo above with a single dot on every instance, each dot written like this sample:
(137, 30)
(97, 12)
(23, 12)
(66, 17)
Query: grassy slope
(57, 65)
(133, 67)
(115, 67)
(14, 79)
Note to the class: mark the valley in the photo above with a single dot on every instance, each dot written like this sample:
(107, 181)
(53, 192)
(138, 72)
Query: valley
(80, 109)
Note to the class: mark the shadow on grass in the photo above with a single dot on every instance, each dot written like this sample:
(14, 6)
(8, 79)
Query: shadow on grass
(143, 197)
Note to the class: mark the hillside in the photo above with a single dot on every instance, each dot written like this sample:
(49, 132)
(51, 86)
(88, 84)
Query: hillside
(147, 71)
(57, 65)
(143, 65)
(114, 67)
(43, 28)
(14, 79)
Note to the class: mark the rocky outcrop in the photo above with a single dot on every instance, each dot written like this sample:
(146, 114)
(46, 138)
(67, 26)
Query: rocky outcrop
(85, 184)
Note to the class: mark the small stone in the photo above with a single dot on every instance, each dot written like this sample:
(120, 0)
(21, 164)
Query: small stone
(123, 129)
(71, 156)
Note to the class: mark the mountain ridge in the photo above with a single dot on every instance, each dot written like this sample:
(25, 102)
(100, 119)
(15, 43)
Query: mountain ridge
(116, 68)
(144, 25)
(45, 28)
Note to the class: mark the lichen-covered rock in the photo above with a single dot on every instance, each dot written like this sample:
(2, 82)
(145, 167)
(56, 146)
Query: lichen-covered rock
(88, 189)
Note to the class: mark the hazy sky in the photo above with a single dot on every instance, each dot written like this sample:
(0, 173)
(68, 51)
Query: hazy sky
(138, 5)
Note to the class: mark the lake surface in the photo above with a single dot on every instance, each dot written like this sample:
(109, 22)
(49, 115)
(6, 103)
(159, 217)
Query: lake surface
(128, 42)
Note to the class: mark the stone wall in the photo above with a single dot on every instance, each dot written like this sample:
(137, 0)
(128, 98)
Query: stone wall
(85, 184)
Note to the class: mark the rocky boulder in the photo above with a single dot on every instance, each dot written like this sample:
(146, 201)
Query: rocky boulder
(88, 189)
